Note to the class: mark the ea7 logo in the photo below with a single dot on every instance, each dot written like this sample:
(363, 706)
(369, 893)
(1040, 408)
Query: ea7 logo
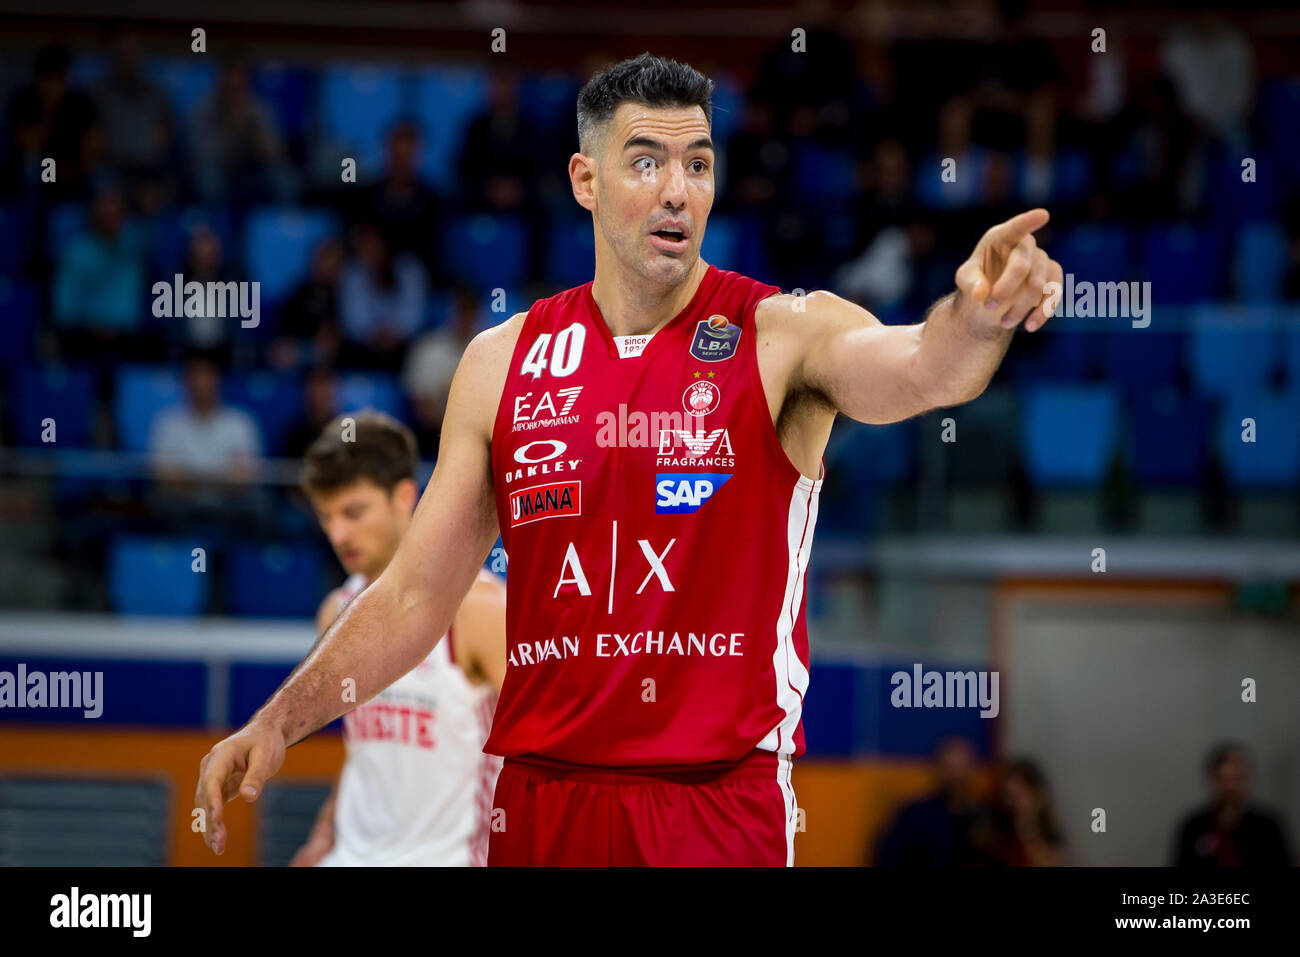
(680, 493)
(697, 443)
(545, 408)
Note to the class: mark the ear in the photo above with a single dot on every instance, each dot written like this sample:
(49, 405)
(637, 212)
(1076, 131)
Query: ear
(582, 175)
(406, 493)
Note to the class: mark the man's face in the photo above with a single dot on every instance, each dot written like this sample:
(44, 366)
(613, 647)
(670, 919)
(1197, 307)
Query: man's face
(653, 189)
(363, 524)
(1231, 780)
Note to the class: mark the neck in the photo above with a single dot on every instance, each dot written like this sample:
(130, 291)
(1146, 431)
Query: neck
(635, 307)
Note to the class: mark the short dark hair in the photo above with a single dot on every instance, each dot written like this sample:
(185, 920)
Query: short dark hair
(381, 449)
(645, 79)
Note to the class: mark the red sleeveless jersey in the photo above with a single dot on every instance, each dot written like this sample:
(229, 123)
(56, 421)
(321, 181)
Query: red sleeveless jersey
(658, 538)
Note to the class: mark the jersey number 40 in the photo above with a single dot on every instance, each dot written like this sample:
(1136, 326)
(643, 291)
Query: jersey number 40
(563, 360)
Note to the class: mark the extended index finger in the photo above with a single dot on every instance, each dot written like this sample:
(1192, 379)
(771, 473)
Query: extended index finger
(1008, 234)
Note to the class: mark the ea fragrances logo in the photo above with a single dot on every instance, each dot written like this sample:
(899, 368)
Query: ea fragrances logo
(701, 398)
(715, 339)
(681, 493)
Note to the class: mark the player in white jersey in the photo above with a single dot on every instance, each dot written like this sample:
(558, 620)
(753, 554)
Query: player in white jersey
(416, 787)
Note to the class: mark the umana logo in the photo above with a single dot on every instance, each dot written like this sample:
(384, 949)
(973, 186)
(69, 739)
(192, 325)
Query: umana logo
(681, 493)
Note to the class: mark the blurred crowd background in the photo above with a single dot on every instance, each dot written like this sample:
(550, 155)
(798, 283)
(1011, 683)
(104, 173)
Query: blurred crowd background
(231, 165)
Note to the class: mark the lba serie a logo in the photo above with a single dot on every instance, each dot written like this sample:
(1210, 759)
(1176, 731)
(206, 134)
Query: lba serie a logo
(715, 339)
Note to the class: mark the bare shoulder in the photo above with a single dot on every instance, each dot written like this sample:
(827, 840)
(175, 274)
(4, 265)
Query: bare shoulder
(785, 314)
(481, 375)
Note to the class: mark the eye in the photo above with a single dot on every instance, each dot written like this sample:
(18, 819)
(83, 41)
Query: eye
(644, 164)
(699, 166)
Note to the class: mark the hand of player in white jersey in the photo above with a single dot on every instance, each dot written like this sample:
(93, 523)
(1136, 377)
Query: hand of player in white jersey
(1006, 279)
(239, 764)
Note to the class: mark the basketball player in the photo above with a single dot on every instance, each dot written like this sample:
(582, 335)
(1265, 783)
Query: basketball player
(416, 788)
(649, 445)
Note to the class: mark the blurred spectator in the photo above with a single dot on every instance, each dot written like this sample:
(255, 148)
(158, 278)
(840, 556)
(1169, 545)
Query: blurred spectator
(757, 161)
(204, 439)
(135, 120)
(98, 295)
(896, 236)
(498, 158)
(320, 405)
(1231, 831)
(1157, 171)
(382, 299)
(936, 831)
(1213, 70)
(52, 119)
(205, 455)
(1020, 829)
(236, 149)
(404, 206)
(430, 364)
(308, 327)
(205, 262)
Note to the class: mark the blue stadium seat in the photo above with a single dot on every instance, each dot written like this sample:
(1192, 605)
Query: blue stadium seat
(65, 221)
(824, 172)
(185, 80)
(486, 251)
(369, 390)
(20, 320)
(273, 399)
(171, 235)
(447, 100)
(1184, 264)
(289, 91)
(1291, 336)
(1168, 438)
(154, 576)
(1069, 432)
(1232, 349)
(66, 395)
(1232, 201)
(1095, 253)
(571, 251)
(1065, 353)
(15, 230)
(549, 100)
(358, 104)
(1273, 459)
(1278, 105)
(278, 246)
(275, 581)
(728, 107)
(878, 454)
(1141, 360)
(140, 393)
(721, 240)
(1261, 262)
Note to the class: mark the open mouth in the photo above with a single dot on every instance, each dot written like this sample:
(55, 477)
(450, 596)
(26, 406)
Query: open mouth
(671, 235)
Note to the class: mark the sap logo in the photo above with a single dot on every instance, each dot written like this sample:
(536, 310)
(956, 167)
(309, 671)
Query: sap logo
(545, 501)
(680, 493)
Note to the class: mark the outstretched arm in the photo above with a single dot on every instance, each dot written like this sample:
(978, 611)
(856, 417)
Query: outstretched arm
(391, 626)
(879, 374)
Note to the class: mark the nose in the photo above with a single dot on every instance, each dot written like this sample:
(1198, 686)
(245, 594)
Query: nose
(673, 193)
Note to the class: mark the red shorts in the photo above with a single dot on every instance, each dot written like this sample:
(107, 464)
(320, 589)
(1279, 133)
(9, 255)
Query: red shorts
(738, 814)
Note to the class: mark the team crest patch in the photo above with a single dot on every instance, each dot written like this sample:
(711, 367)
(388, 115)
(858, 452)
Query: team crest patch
(715, 339)
(701, 398)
